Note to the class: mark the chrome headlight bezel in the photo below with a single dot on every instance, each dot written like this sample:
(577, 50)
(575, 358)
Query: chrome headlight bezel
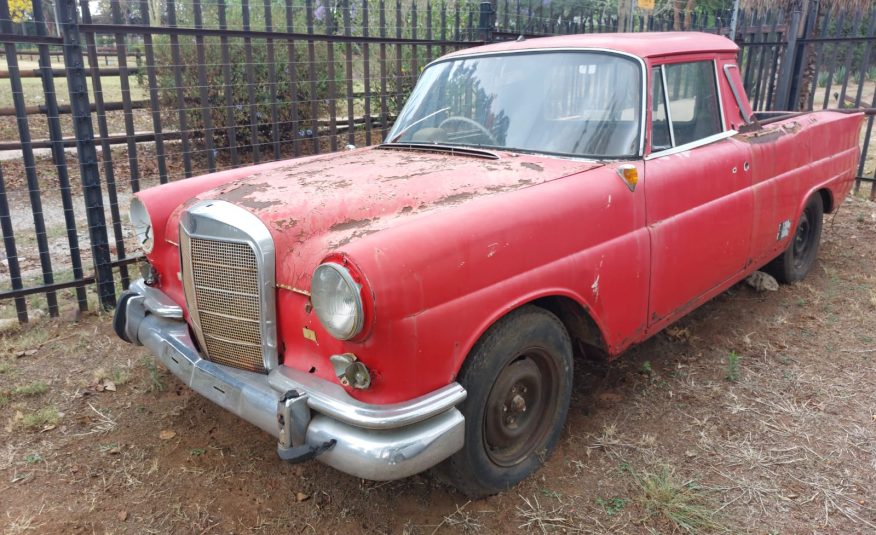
(348, 329)
(140, 219)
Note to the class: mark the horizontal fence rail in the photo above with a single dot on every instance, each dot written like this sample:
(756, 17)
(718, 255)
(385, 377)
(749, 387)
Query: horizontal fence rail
(102, 100)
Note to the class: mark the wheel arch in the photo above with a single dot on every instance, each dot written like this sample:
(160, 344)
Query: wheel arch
(826, 199)
(573, 312)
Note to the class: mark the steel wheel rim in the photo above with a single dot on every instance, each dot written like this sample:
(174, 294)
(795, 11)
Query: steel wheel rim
(802, 239)
(519, 408)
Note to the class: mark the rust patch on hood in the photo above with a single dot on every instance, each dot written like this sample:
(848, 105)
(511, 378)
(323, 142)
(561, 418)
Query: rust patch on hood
(349, 225)
(242, 192)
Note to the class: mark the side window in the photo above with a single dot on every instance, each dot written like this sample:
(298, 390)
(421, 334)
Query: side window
(692, 94)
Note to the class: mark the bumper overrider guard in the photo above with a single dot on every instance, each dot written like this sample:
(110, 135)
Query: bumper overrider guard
(310, 417)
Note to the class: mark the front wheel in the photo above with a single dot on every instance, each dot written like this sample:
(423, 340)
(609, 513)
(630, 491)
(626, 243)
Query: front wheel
(796, 261)
(519, 383)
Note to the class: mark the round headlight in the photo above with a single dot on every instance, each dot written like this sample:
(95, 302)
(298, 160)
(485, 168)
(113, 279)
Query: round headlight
(142, 223)
(337, 300)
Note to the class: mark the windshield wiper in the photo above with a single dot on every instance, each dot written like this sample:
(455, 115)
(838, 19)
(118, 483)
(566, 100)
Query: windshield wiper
(415, 123)
(439, 147)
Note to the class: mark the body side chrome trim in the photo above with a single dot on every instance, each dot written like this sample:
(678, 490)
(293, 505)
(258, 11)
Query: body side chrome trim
(221, 220)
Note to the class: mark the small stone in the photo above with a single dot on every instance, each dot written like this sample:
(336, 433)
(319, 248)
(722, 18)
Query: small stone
(301, 497)
(762, 282)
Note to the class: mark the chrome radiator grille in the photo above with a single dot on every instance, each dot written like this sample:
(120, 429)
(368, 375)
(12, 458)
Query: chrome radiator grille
(226, 291)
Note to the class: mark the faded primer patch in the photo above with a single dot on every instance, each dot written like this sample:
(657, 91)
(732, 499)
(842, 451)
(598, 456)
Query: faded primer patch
(533, 166)
(595, 287)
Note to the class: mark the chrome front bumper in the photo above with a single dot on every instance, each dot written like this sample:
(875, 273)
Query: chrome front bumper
(377, 442)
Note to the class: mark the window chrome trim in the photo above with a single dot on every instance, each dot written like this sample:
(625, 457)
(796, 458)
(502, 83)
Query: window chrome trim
(223, 221)
(720, 98)
(692, 145)
(666, 103)
(735, 91)
(641, 62)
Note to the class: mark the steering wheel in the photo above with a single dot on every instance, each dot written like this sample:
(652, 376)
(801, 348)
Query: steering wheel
(478, 126)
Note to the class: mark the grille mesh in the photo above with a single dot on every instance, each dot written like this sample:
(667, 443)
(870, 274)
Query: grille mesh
(225, 277)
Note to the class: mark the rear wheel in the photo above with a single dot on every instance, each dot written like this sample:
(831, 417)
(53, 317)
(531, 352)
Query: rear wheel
(519, 383)
(797, 260)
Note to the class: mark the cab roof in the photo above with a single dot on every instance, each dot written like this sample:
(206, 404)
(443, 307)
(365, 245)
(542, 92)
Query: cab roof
(643, 45)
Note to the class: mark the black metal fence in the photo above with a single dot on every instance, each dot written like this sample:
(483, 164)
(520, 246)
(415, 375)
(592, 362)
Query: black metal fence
(176, 88)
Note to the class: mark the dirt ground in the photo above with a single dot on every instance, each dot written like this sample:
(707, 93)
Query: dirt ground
(756, 414)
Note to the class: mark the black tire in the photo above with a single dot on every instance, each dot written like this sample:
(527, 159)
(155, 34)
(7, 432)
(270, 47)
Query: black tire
(519, 382)
(797, 260)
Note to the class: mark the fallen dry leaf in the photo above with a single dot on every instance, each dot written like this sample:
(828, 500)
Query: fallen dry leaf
(301, 497)
(122, 516)
(26, 353)
(166, 434)
(109, 386)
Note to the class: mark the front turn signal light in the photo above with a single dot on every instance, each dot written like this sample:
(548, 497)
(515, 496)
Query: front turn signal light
(629, 174)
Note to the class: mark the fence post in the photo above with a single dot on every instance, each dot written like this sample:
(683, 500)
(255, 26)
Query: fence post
(86, 152)
(485, 22)
(802, 56)
(789, 70)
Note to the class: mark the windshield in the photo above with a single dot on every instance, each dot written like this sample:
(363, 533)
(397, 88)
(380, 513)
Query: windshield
(585, 104)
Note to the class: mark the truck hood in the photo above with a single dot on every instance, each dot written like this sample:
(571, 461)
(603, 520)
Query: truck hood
(319, 205)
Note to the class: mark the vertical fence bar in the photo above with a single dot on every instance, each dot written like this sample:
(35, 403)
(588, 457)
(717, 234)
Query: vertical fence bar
(415, 68)
(443, 27)
(58, 156)
(87, 153)
(154, 102)
(292, 68)
(384, 114)
(105, 148)
(122, 59)
(397, 90)
(311, 73)
(203, 93)
(272, 82)
(33, 185)
(819, 59)
(838, 29)
(366, 71)
(865, 59)
(428, 31)
(250, 85)
(783, 91)
(332, 84)
(11, 251)
(348, 65)
(847, 64)
(230, 121)
(867, 139)
(182, 113)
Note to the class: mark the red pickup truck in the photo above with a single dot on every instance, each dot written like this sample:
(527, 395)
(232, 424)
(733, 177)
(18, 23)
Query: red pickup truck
(421, 302)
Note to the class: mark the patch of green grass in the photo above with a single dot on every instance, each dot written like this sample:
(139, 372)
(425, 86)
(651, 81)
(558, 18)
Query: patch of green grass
(43, 417)
(733, 365)
(5, 366)
(120, 376)
(684, 504)
(611, 506)
(647, 369)
(4, 400)
(33, 458)
(156, 382)
(33, 389)
(197, 452)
